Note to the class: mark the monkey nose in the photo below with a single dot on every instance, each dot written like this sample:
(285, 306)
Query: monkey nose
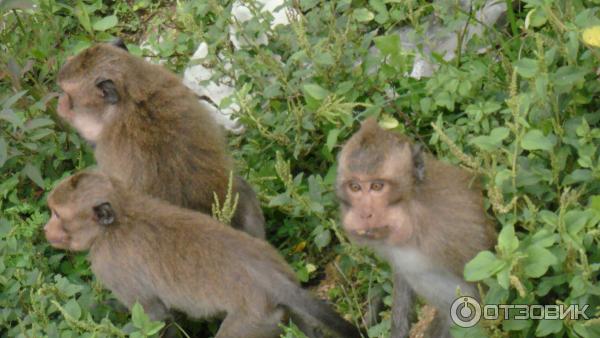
(366, 215)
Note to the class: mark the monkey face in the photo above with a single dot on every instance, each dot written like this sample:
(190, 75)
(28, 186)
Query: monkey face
(373, 209)
(378, 172)
(79, 216)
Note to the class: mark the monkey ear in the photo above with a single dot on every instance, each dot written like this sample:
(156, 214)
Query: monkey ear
(418, 161)
(104, 213)
(109, 90)
(118, 42)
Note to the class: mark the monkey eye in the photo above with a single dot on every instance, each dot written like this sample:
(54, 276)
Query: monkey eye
(55, 213)
(377, 186)
(354, 187)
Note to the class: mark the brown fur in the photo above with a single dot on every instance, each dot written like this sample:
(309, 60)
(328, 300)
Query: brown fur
(156, 137)
(428, 210)
(157, 254)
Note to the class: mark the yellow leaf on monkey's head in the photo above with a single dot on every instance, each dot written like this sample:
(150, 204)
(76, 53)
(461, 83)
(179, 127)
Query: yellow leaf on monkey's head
(591, 36)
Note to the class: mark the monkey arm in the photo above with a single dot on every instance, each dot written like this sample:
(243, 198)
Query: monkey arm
(403, 299)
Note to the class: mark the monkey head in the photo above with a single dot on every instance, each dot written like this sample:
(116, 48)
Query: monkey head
(81, 210)
(378, 173)
(92, 85)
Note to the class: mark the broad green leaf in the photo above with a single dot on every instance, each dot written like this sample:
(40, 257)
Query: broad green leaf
(503, 277)
(526, 67)
(138, 317)
(547, 327)
(323, 239)
(106, 23)
(575, 220)
(484, 265)
(315, 91)
(332, 138)
(568, 76)
(154, 327)
(388, 44)
(33, 172)
(535, 140)
(594, 201)
(387, 122)
(7, 103)
(538, 261)
(38, 123)
(544, 238)
(281, 199)
(324, 59)
(83, 16)
(507, 240)
(578, 175)
(492, 141)
(548, 217)
(73, 309)
(363, 15)
(535, 18)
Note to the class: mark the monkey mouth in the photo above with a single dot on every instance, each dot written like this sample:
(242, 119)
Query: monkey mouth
(373, 232)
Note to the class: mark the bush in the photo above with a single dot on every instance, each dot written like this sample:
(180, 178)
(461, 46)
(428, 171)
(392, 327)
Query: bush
(524, 115)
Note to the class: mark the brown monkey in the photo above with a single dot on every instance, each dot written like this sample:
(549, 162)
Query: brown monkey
(155, 253)
(423, 216)
(150, 131)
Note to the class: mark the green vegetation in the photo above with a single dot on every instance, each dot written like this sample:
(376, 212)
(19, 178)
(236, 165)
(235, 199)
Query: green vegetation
(524, 114)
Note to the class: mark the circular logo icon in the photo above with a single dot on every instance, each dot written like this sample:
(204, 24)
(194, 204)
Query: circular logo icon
(465, 311)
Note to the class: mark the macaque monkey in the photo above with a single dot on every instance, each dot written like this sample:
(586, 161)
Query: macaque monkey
(149, 130)
(425, 217)
(169, 258)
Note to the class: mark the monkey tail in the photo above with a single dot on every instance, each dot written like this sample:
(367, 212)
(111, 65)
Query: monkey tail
(303, 304)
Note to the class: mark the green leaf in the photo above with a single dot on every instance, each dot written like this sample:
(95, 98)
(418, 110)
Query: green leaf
(332, 138)
(106, 23)
(324, 59)
(535, 140)
(34, 174)
(538, 261)
(535, 18)
(154, 327)
(388, 44)
(484, 265)
(578, 175)
(492, 141)
(323, 239)
(281, 199)
(544, 238)
(548, 217)
(503, 277)
(594, 201)
(38, 123)
(315, 91)
(83, 16)
(526, 67)
(568, 76)
(73, 309)
(547, 327)
(363, 15)
(507, 240)
(138, 317)
(575, 220)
